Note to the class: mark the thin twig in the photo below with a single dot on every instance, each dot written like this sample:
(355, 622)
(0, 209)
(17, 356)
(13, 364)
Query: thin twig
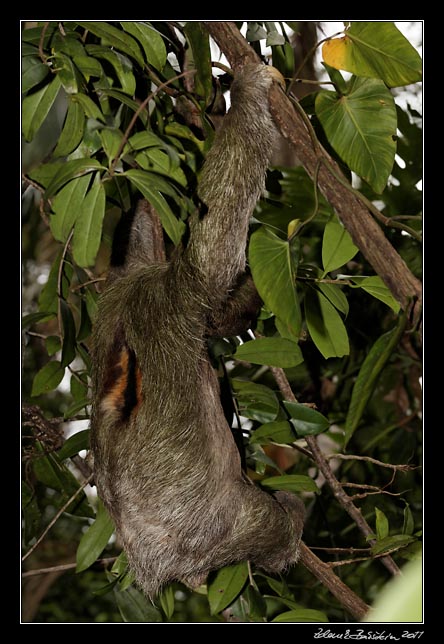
(83, 284)
(63, 567)
(42, 38)
(57, 516)
(351, 457)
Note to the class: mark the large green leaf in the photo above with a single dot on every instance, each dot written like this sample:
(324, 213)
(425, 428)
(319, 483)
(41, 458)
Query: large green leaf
(325, 326)
(114, 37)
(74, 444)
(256, 401)
(198, 39)
(226, 586)
(33, 72)
(121, 64)
(55, 475)
(151, 41)
(376, 287)
(274, 273)
(275, 352)
(361, 127)
(66, 206)
(88, 227)
(277, 431)
(301, 615)
(72, 130)
(337, 246)
(135, 607)
(368, 375)
(47, 378)
(70, 170)
(291, 483)
(35, 107)
(94, 540)
(49, 296)
(305, 420)
(148, 186)
(377, 50)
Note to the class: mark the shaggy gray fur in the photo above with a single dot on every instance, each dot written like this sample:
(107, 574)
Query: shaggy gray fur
(170, 474)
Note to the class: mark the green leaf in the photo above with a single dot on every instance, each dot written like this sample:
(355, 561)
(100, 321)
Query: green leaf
(67, 72)
(147, 186)
(52, 344)
(33, 72)
(198, 39)
(226, 586)
(369, 373)
(325, 326)
(55, 475)
(49, 297)
(47, 378)
(382, 524)
(71, 170)
(291, 483)
(250, 606)
(36, 106)
(274, 273)
(85, 325)
(69, 334)
(337, 246)
(305, 420)
(66, 207)
(409, 522)
(375, 49)
(95, 539)
(135, 607)
(275, 432)
(155, 160)
(255, 32)
(88, 227)
(376, 287)
(361, 127)
(142, 140)
(301, 615)
(88, 66)
(183, 132)
(75, 444)
(34, 318)
(151, 41)
(275, 352)
(91, 110)
(111, 139)
(335, 296)
(391, 543)
(120, 63)
(256, 401)
(166, 599)
(114, 37)
(72, 132)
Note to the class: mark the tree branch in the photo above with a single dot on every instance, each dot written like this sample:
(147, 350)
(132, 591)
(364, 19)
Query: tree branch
(327, 577)
(364, 230)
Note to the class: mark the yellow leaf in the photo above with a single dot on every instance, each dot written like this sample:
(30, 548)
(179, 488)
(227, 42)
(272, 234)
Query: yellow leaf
(336, 52)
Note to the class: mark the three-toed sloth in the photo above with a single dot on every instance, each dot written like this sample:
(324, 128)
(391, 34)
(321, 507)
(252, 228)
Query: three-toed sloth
(165, 462)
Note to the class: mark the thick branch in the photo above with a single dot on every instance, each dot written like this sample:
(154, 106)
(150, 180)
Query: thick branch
(327, 577)
(342, 497)
(364, 230)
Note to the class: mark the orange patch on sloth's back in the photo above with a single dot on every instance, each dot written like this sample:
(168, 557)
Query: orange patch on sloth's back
(123, 386)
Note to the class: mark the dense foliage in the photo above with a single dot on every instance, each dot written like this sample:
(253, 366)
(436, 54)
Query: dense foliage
(109, 117)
